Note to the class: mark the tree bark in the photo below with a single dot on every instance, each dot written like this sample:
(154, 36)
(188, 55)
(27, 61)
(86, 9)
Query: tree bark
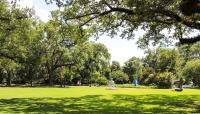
(8, 80)
(64, 81)
(50, 78)
(30, 74)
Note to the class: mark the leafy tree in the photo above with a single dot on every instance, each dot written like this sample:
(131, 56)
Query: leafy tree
(9, 69)
(166, 59)
(119, 77)
(191, 72)
(153, 16)
(164, 80)
(96, 60)
(33, 51)
(162, 59)
(60, 42)
(159, 62)
(147, 76)
(115, 66)
(195, 51)
(15, 31)
(132, 67)
(97, 78)
(187, 53)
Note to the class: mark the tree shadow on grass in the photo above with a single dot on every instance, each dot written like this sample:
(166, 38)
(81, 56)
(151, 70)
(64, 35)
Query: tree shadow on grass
(97, 104)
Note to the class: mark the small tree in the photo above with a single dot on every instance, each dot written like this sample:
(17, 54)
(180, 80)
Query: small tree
(191, 72)
(164, 80)
(98, 79)
(119, 77)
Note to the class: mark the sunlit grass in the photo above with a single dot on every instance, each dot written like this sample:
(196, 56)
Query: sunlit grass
(98, 100)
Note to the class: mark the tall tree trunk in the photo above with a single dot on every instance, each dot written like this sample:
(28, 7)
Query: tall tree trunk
(31, 82)
(50, 74)
(64, 81)
(30, 74)
(8, 79)
(61, 82)
(50, 78)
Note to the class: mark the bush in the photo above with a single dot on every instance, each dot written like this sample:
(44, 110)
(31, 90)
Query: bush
(119, 77)
(164, 80)
(102, 80)
(191, 72)
(150, 80)
(146, 77)
(98, 79)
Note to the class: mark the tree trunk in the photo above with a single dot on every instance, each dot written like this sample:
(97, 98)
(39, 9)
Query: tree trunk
(64, 81)
(50, 79)
(31, 83)
(30, 74)
(8, 79)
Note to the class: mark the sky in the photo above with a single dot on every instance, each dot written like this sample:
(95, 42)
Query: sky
(120, 49)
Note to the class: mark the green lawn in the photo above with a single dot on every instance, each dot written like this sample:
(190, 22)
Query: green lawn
(98, 100)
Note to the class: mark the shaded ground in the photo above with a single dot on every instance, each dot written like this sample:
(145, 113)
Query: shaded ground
(98, 104)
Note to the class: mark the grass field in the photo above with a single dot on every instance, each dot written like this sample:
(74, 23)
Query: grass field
(97, 100)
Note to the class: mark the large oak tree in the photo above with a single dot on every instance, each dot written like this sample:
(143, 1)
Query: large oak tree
(155, 17)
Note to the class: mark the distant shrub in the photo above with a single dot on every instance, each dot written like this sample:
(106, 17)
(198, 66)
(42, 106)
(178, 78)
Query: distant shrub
(119, 77)
(98, 79)
(150, 80)
(164, 80)
(102, 80)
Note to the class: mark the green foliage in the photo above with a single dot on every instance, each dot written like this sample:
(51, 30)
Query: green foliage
(115, 66)
(132, 68)
(150, 80)
(95, 58)
(195, 51)
(155, 17)
(119, 77)
(98, 79)
(59, 51)
(147, 73)
(16, 31)
(102, 81)
(162, 59)
(161, 66)
(189, 52)
(164, 80)
(191, 72)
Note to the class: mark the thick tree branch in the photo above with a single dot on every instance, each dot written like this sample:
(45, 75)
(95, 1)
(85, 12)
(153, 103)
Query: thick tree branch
(192, 24)
(101, 14)
(14, 58)
(66, 65)
(107, 4)
(23, 16)
(173, 18)
(189, 40)
(82, 16)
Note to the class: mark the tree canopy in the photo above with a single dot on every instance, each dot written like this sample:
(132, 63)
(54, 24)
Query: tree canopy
(60, 51)
(163, 21)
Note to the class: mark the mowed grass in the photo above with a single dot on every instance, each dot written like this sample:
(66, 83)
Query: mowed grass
(97, 100)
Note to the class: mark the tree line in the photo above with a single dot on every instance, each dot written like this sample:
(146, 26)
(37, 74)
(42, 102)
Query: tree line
(59, 53)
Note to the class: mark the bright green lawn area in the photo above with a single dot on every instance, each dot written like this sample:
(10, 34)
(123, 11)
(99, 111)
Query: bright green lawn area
(98, 100)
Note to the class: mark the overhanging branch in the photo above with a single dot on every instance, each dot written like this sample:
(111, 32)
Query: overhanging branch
(189, 40)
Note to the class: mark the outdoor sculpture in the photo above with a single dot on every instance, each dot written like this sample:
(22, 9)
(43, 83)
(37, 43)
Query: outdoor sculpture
(111, 84)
